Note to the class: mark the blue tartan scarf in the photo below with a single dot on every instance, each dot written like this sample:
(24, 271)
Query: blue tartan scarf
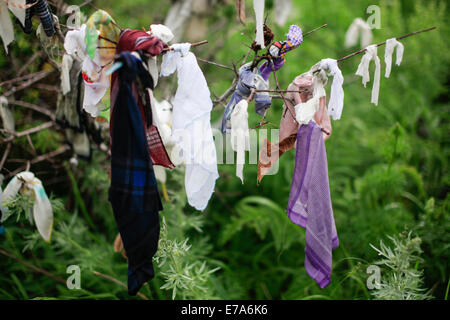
(133, 193)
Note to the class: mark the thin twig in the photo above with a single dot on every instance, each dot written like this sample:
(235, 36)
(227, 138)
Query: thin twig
(228, 92)
(314, 30)
(109, 40)
(5, 155)
(41, 127)
(31, 144)
(250, 97)
(100, 47)
(28, 83)
(383, 43)
(120, 283)
(196, 44)
(267, 55)
(279, 90)
(46, 87)
(29, 62)
(45, 272)
(25, 77)
(47, 156)
(33, 107)
(215, 64)
(280, 97)
(116, 25)
(246, 57)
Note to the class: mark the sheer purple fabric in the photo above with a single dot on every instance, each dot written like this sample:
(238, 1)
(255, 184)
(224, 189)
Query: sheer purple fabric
(310, 203)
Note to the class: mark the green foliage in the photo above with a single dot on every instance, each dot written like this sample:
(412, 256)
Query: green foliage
(189, 278)
(388, 170)
(262, 215)
(402, 280)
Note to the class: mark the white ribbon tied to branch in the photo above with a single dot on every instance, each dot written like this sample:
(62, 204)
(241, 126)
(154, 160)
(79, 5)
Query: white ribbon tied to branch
(191, 127)
(6, 26)
(363, 71)
(305, 111)
(6, 114)
(391, 44)
(336, 103)
(240, 135)
(27, 184)
(258, 6)
(357, 28)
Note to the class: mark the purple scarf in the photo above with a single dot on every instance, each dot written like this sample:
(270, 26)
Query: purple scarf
(310, 203)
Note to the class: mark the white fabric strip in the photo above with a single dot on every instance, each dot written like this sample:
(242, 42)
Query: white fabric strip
(304, 112)
(26, 183)
(240, 135)
(258, 5)
(7, 115)
(18, 8)
(66, 65)
(363, 71)
(336, 103)
(162, 32)
(357, 28)
(391, 44)
(6, 26)
(74, 43)
(191, 127)
(282, 10)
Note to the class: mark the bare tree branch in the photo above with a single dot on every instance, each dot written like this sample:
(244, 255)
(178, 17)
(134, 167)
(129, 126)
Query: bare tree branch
(16, 135)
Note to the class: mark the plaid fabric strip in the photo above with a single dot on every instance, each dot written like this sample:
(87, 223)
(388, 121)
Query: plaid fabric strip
(158, 152)
(133, 193)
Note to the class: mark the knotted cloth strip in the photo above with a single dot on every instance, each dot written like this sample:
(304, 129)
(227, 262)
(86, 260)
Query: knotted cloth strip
(301, 90)
(336, 103)
(7, 115)
(6, 26)
(240, 135)
(282, 10)
(357, 28)
(27, 184)
(305, 111)
(258, 6)
(191, 127)
(363, 71)
(391, 44)
(18, 8)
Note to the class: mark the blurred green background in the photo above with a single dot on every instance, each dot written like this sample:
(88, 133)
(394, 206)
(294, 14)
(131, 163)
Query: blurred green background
(388, 171)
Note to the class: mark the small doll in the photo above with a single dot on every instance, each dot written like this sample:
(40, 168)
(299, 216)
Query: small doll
(278, 50)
